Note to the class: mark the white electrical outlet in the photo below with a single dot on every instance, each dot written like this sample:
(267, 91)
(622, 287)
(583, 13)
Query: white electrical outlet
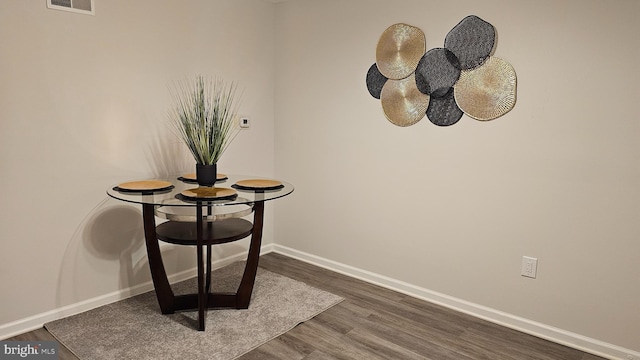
(529, 267)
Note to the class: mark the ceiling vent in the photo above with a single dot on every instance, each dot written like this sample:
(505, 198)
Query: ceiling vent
(77, 6)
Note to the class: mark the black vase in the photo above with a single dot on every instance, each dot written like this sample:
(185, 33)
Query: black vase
(206, 174)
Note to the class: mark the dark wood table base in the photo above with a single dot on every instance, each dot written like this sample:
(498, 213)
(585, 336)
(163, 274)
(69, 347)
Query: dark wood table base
(206, 235)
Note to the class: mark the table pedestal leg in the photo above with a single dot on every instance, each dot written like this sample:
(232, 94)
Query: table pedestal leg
(202, 295)
(243, 296)
(158, 274)
(204, 299)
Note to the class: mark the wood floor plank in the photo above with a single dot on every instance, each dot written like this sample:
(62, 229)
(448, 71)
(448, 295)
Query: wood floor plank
(385, 346)
(441, 329)
(332, 342)
(501, 340)
(282, 347)
(376, 329)
(374, 323)
(275, 350)
(423, 338)
(319, 355)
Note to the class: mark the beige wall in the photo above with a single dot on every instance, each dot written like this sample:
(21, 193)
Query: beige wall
(83, 105)
(454, 209)
(83, 101)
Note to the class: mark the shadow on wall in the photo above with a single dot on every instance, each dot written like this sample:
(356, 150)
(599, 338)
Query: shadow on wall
(114, 234)
(107, 245)
(168, 155)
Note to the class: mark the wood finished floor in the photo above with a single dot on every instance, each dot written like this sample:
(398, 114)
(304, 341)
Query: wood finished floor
(376, 323)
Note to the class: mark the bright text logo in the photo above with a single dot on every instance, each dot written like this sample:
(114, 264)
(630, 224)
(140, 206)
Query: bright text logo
(28, 350)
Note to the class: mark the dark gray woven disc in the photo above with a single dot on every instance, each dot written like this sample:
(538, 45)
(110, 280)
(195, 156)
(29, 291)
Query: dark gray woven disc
(471, 41)
(444, 111)
(437, 71)
(375, 81)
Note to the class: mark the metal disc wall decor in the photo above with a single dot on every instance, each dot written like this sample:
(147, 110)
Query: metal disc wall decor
(443, 111)
(443, 83)
(375, 81)
(488, 91)
(437, 71)
(471, 41)
(403, 104)
(399, 49)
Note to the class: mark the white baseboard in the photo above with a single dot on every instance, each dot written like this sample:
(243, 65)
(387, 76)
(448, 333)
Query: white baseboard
(534, 328)
(547, 332)
(34, 322)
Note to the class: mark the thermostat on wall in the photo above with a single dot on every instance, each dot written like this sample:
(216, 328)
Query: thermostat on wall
(245, 122)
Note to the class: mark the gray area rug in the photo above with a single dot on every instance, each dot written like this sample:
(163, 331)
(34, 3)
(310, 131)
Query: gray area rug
(135, 329)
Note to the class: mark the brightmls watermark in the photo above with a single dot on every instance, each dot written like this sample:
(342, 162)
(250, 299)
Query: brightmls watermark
(29, 350)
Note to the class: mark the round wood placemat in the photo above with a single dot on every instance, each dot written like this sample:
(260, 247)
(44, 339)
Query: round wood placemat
(144, 185)
(204, 192)
(259, 184)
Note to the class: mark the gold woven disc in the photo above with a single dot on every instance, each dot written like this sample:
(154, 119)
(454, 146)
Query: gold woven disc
(403, 104)
(488, 91)
(399, 50)
(259, 183)
(144, 185)
(204, 192)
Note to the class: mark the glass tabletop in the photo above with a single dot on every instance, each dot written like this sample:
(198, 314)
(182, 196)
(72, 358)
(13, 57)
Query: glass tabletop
(180, 192)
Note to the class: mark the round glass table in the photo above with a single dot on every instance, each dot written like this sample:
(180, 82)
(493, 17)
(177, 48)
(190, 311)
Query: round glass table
(201, 217)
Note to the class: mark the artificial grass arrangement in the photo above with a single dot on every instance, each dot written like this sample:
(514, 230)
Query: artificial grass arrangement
(205, 117)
